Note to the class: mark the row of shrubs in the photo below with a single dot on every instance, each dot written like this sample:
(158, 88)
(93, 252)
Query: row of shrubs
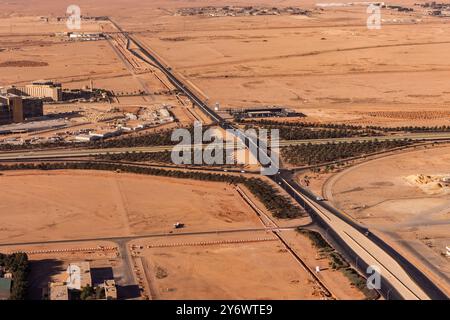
(310, 154)
(338, 262)
(156, 138)
(281, 124)
(309, 133)
(159, 157)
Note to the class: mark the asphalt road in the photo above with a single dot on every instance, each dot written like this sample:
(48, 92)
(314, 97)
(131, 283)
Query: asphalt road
(64, 153)
(408, 282)
(144, 236)
(392, 263)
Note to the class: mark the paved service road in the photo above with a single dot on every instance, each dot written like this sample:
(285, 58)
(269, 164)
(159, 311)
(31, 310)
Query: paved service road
(64, 153)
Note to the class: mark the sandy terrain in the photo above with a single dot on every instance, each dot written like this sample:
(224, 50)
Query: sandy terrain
(388, 195)
(331, 70)
(328, 65)
(334, 279)
(69, 203)
(259, 270)
(65, 61)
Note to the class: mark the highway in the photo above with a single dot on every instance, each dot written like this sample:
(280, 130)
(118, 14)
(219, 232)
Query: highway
(357, 239)
(401, 278)
(311, 202)
(76, 153)
(411, 285)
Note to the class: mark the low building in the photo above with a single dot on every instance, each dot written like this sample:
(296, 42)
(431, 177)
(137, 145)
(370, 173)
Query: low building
(58, 291)
(77, 36)
(39, 89)
(265, 113)
(104, 134)
(86, 138)
(5, 288)
(79, 275)
(110, 290)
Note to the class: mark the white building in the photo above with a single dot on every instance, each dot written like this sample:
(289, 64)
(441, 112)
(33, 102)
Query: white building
(79, 275)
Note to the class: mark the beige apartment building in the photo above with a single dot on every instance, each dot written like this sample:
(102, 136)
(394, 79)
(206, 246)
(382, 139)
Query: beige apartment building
(39, 89)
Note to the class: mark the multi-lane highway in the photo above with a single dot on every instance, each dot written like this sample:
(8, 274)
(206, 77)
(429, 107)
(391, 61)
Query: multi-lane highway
(408, 284)
(357, 239)
(79, 152)
(400, 278)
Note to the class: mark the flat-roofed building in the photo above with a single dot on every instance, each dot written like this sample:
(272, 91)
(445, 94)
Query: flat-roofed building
(110, 290)
(58, 291)
(39, 89)
(79, 275)
(5, 288)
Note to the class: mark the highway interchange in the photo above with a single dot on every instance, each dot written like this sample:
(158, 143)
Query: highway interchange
(401, 279)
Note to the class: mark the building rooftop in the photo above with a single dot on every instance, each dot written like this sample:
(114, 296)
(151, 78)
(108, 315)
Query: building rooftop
(110, 290)
(58, 291)
(5, 288)
(79, 275)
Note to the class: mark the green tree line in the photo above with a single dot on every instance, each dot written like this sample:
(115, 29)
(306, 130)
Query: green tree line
(18, 265)
(311, 154)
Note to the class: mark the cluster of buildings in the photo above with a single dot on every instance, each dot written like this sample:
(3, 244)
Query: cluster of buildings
(237, 11)
(78, 277)
(131, 122)
(81, 36)
(436, 9)
(398, 8)
(5, 283)
(18, 103)
(269, 112)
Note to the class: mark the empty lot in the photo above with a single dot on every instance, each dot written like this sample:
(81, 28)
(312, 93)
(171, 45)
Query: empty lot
(38, 206)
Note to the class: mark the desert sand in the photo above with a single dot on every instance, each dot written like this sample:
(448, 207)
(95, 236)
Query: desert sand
(259, 270)
(328, 65)
(37, 206)
(394, 196)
